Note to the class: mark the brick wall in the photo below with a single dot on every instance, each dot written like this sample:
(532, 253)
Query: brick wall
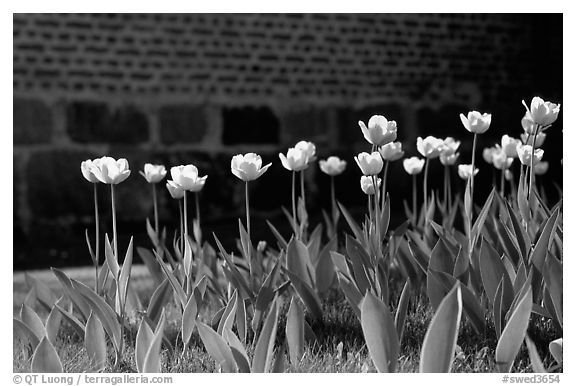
(179, 88)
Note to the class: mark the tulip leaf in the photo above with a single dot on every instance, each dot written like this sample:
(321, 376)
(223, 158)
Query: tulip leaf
(143, 340)
(189, 320)
(553, 278)
(295, 331)
(341, 264)
(535, 359)
(523, 202)
(263, 352)
(280, 360)
(313, 245)
(400, 317)
(513, 334)
(31, 319)
(46, 359)
(124, 276)
(538, 256)
(247, 248)
(227, 319)
(160, 297)
(360, 264)
(307, 294)
(76, 324)
(21, 330)
(95, 342)
(492, 269)
(420, 257)
(44, 294)
(282, 243)
(479, 223)
(236, 277)
(556, 349)
(520, 232)
(174, 283)
(238, 351)
(53, 322)
(351, 293)
(298, 261)
(69, 290)
(265, 295)
(442, 258)
(111, 260)
(150, 261)
(379, 333)
(351, 223)
(440, 339)
(152, 363)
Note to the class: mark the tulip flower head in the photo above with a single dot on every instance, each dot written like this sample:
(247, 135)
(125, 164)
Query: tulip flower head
(500, 159)
(153, 173)
(487, 154)
(187, 177)
(528, 124)
(391, 151)
(110, 171)
(508, 175)
(450, 146)
(540, 138)
(541, 168)
(294, 160)
(525, 152)
(309, 150)
(413, 165)
(448, 159)
(465, 171)
(175, 190)
(332, 166)
(369, 164)
(367, 184)
(542, 113)
(509, 146)
(380, 131)
(86, 168)
(248, 167)
(430, 147)
(476, 122)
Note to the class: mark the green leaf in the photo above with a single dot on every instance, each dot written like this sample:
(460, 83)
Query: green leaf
(227, 320)
(187, 262)
(298, 261)
(241, 320)
(556, 349)
(124, 276)
(513, 334)
(152, 363)
(523, 202)
(44, 294)
(521, 236)
(31, 319)
(281, 240)
(53, 322)
(159, 299)
(236, 277)
(503, 300)
(46, 359)
(351, 293)
(238, 351)
(76, 299)
(21, 330)
(538, 255)
(265, 295)
(400, 317)
(553, 278)
(361, 264)
(477, 228)
(174, 283)
(340, 264)
(307, 294)
(95, 343)
(247, 248)
(111, 260)
(143, 340)
(150, 261)
(379, 333)
(324, 269)
(217, 348)
(492, 270)
(76, 324)
(442, 258)
(189, 320)
(265, 345)
(295, 332)
(535, 359)
(353, 225)
(314, 244)
(440, 340)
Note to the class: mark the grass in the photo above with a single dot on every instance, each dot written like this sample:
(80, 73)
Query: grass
(340, 345)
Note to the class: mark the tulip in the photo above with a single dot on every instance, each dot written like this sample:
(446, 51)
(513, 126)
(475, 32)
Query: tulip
(176, 191)
(476, 122)
(528, 155)
(500, 159)
(487, 154)
(450, 146)
(465, 171)
(367, 184)
(391, 151)
(153, 173)
(542, 113)
(110, 171)
(450, 159)
(430, 147)
(529, 126)
(508, 175)
(369, 164)
(309, 150)
(332, 166)
(86, 169)
(413, 165)
(509, 146)
(540, 138)
(541, 168)
(295, 159)
(380, 131)
(187, 177)
(248, 167)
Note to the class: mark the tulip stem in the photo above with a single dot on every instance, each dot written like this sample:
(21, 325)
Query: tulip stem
(414, 194)
(384, 178)
(294, 220)
(185, 219)
(472, 177)
(333, 199)
(449, 188)
(197, 204)
(502, 187)
(376, 208)
(370, 210)
(302, 189)
(97, 226)
(247, 212)
(426, 192)
(532, 161)
(446, 176)
(113, 195)
(155, 199)
(181, 210)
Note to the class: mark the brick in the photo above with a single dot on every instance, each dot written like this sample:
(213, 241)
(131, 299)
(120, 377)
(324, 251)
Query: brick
(95, 122)
(250, 125)
(33, 122)
(182, 124)
(306, 124)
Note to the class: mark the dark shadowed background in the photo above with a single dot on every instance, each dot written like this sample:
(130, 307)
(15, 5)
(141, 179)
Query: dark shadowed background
(199, 88)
